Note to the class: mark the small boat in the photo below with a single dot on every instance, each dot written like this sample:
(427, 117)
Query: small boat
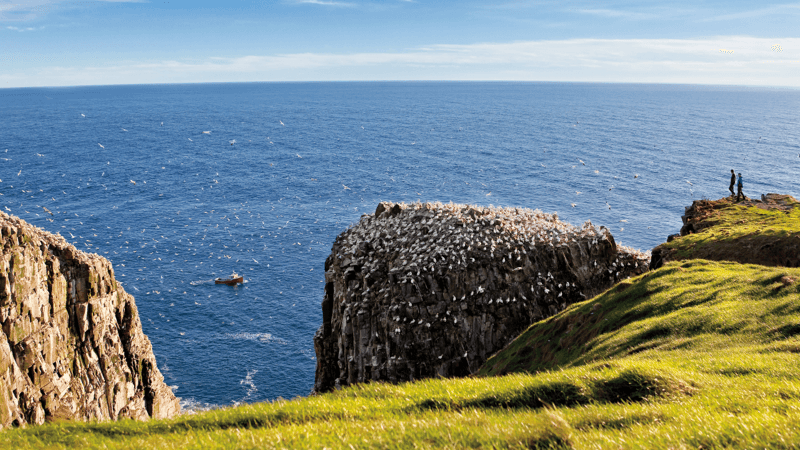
(232, 280)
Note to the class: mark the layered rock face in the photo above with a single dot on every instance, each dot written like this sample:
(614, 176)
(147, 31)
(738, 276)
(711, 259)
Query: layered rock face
(71, 344)
(426, 290)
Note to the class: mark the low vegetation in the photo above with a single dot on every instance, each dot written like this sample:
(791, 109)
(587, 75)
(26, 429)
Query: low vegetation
(697, 354)
(753, 232)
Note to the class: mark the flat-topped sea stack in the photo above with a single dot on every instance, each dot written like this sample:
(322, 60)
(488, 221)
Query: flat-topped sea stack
(431, 289)
(71, 344)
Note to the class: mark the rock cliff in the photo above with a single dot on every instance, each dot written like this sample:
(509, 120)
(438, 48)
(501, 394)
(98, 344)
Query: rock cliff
(71, 344)
(427, 290)
(752, 231)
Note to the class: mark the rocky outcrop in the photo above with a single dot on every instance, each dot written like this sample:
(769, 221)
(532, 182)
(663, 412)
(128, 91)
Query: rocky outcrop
(768, 247)
(427, 290)
(71, 344)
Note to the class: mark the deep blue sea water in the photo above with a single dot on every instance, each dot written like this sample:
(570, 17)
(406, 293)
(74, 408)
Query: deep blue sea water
(310, 158)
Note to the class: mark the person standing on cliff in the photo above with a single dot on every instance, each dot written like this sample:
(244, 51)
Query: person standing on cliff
(739, 186)
(733, 181)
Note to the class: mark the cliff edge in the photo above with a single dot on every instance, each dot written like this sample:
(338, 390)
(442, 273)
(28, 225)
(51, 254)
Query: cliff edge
(426, 290)
(749, 232)
(71, 344)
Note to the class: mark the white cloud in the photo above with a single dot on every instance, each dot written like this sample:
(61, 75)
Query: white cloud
(792, 8)
(24, 29)
(26, 10)
(619, 14)
(695, 61)
(326, 3)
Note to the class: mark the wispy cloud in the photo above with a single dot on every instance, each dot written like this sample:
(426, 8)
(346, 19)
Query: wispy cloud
(791, 8)
(24, 29)
(326, 3)
(699, 61)
(26, 10)
(619, 14)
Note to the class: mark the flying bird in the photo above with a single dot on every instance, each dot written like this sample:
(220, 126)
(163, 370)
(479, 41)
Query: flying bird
(281, 123)
(134, 183)
(101, 145)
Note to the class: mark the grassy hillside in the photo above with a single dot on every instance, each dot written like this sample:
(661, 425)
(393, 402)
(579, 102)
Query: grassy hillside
(696, 354)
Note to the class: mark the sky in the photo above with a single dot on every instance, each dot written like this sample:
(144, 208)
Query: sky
(101, 42)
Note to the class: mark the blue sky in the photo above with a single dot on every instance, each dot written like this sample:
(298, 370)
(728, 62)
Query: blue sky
(63, 43)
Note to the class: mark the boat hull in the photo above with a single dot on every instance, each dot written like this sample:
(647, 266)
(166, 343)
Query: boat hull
(229, 282)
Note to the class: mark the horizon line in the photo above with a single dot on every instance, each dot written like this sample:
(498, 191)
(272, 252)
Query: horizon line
(760, 86)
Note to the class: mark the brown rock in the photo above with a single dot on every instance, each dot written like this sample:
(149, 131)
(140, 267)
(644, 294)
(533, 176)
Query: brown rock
(71, 345)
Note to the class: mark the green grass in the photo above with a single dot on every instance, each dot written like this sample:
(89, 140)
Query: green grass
(695, 354)
(749, 234)
(698, 354)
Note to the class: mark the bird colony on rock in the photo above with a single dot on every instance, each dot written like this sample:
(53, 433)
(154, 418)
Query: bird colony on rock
(431, 289)
(71, 344)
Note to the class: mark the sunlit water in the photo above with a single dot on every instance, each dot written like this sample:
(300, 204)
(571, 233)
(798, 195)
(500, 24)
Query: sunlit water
(270, 205)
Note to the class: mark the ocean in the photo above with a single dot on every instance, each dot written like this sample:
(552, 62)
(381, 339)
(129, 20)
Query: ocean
(179, 184)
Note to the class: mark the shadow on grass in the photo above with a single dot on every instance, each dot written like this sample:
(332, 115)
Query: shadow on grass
(129, 427)
(631, 385)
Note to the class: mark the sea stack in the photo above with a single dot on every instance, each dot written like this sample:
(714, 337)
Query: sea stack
(71, 344)
(431, 289)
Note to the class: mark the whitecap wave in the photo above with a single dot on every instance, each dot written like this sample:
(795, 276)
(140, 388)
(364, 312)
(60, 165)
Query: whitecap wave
(192, 406)
(251, 385)
(255, 337)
